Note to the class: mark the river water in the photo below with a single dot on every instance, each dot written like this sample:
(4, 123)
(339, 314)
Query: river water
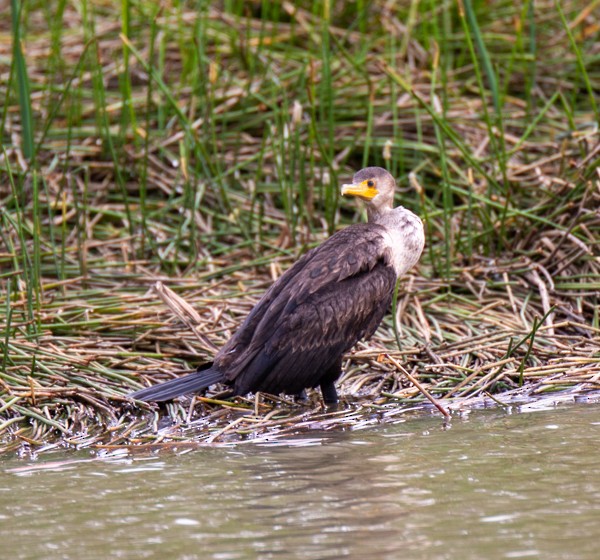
(493, 485)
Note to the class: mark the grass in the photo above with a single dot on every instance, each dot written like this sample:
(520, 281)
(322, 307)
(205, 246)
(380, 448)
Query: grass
(203, 146)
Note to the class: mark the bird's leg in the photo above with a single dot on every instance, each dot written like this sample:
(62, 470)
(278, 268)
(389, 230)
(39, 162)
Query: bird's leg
(327, 384)
(301, 396)
(329, 393)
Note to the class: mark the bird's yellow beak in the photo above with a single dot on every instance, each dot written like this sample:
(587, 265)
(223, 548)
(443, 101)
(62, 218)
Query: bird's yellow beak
(362, 190)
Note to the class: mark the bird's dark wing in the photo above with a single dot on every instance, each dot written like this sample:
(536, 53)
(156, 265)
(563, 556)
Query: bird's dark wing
(313, 335)
(333, 296)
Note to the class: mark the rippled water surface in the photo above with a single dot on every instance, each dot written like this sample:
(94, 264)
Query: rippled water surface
(494, 485)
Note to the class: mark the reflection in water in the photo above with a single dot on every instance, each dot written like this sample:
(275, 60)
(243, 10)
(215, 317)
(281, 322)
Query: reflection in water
(493, 486)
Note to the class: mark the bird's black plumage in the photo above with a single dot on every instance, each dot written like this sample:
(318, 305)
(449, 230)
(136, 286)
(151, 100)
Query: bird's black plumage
(333, 296)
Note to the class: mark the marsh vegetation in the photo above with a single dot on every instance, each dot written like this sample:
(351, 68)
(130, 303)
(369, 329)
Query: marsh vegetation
(202, 145)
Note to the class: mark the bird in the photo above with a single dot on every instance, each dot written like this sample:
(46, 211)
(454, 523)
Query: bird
(333, 296)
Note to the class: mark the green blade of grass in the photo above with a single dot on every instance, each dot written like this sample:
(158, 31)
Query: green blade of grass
(580, 62)
(22, 82)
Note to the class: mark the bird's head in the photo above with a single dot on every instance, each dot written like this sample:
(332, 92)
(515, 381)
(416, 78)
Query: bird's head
(375, 186)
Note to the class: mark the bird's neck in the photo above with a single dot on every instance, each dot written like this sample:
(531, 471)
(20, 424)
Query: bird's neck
(376, 215)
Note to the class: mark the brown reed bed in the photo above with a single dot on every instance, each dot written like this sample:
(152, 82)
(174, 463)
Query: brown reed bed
(462, 349)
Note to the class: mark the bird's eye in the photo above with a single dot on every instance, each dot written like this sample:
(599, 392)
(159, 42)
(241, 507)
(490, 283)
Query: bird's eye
(370, 184)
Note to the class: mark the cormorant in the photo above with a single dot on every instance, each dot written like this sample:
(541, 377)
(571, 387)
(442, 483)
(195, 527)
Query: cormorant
(332, 297)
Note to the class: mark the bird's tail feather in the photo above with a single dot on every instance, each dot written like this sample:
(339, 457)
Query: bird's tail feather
(176, 387)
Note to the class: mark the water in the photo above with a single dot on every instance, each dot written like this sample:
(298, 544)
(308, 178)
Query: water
(495, 485)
